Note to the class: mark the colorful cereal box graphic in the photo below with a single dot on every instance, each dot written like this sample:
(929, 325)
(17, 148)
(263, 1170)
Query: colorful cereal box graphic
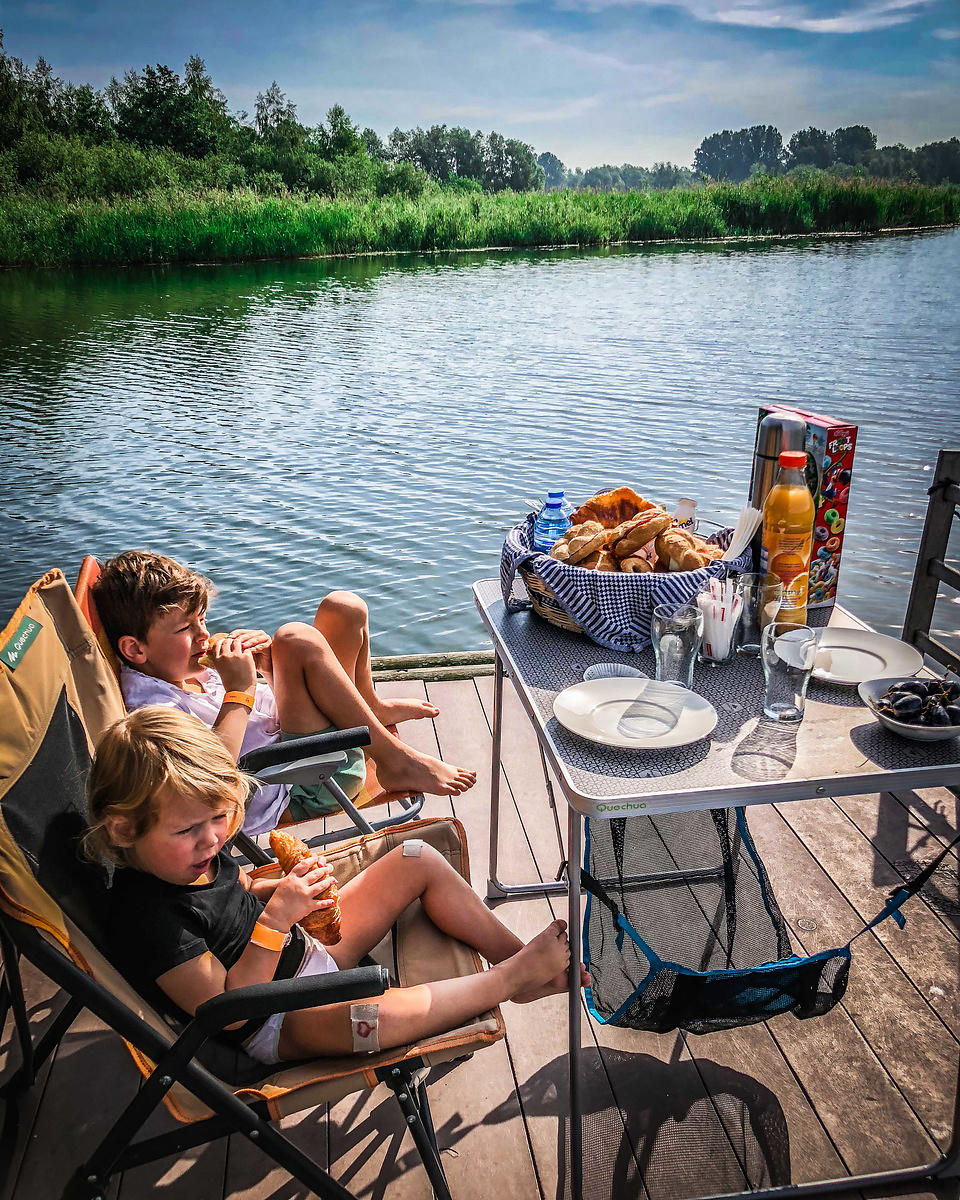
(830, 446)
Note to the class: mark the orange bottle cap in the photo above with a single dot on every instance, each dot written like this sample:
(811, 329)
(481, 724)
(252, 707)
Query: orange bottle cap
(792, 458)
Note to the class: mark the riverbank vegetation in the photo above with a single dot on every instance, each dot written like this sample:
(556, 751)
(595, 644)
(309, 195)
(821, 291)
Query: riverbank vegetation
(221, 225)
(156, 168)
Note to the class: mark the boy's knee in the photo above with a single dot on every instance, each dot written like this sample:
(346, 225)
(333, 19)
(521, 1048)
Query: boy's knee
(294, 638)
(345, 606)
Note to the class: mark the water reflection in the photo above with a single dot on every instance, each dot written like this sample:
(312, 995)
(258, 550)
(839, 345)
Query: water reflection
(378, 422)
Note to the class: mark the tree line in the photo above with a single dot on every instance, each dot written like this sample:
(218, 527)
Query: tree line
(159, 129)
(740, 154)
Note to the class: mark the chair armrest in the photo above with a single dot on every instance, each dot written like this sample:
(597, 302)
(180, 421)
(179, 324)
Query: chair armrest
(296, 748)
(285, 995)
(303, 770)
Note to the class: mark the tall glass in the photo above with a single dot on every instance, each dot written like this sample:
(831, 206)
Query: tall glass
(788, 652)
(676, 634)
(761, 603)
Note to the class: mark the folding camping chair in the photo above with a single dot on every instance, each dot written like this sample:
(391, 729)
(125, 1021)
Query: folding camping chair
(57, 695)
(323, 755)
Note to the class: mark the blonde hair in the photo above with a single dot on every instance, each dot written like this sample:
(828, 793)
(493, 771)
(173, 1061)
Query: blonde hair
(147, 750)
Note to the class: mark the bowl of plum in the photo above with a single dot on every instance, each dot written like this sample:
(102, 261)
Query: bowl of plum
(927, 710)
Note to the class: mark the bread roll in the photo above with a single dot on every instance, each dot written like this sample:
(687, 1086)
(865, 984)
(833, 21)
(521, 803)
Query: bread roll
(323, 924)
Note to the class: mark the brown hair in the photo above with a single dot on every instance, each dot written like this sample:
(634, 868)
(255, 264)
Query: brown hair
(137, 587)
(149, 749)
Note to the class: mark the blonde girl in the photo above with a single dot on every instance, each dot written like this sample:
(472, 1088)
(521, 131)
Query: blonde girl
(187, 924)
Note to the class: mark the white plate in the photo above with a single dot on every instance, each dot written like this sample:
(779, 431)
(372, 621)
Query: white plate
(852, 656)
(614, 712)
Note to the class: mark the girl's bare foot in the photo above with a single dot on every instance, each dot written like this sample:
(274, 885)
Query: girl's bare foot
(553, 987)
(538, 964)
(407, 770)
(392, 712)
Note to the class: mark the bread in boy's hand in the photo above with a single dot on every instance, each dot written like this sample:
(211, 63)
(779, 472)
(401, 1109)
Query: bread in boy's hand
(205, 660)
(324, 924)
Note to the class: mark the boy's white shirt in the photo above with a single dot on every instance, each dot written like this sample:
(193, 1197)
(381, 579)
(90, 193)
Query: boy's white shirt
(263, 728)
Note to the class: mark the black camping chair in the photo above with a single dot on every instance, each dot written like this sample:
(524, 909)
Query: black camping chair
(55, 701)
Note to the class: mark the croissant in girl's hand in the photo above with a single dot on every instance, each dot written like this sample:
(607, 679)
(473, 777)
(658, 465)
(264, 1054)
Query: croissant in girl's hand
(324, 924)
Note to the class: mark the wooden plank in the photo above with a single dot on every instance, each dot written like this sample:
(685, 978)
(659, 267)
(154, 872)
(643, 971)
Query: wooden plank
(91, 1079)
(928, 950)
(870, 1122)
(673, 1095)
(42, 998)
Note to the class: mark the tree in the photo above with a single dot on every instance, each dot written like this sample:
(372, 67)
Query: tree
(554, 172)
(342, 136)
(276, 118)
(810, 148)
(524, 173)
(374, 145)
(732, 154)
(466, 151)
(853, 145)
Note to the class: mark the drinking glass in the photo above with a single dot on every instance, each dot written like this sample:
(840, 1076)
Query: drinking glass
(761, 603)
(676, 634)
(788, 653)
(721, 620)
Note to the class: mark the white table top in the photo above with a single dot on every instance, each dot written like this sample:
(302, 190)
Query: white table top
(838, 749)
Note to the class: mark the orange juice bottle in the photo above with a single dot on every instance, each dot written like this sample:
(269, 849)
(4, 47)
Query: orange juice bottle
(788, 516)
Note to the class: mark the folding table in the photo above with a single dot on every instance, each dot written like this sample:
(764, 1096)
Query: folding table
(839, 749)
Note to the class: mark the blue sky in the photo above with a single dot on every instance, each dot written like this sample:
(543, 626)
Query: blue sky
(592, 80)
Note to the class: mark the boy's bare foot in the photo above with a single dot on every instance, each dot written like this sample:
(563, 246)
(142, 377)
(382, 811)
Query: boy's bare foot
(407, 770)
(535, 969)
(392, 712)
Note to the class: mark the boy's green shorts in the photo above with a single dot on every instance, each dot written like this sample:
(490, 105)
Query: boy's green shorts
(307, 801)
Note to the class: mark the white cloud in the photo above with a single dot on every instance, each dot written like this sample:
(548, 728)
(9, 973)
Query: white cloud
(947, 35)
(768, 14)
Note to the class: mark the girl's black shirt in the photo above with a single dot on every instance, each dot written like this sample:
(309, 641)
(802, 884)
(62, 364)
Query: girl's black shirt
(156, 926)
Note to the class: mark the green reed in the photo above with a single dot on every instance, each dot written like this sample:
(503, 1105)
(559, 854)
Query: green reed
(172, 226)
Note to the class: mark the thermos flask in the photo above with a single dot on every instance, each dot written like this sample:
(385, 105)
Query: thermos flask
(777, 432)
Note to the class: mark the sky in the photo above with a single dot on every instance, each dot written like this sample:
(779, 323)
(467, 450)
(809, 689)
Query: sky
(593, 81)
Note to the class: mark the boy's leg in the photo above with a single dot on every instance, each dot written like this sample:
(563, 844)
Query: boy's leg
(313, 690)
(406, 1014)
(343, 620)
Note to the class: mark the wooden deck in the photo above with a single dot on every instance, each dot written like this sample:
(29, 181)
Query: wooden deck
(868, 1087)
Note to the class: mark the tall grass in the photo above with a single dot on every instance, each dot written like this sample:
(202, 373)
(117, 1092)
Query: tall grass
(172, 226)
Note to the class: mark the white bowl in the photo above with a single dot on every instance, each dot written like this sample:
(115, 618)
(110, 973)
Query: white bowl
(873, 689)
(611, 670)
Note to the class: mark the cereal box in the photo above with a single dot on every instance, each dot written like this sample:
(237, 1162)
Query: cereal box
(830, 445)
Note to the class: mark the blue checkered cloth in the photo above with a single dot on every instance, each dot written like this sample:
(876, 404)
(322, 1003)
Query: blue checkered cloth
(613, 609)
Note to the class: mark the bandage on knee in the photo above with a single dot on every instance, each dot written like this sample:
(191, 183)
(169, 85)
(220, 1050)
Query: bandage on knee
(365, 1025)
(412, 848)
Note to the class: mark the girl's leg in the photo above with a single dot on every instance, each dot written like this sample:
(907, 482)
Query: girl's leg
(343, 620)
(372, 901)
(406, 1014)
(313, 689)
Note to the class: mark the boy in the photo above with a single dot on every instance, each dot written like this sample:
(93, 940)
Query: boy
(153, 611)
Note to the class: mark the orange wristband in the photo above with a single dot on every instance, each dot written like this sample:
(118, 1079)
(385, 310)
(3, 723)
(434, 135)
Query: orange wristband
(243, 698)
(267, 938)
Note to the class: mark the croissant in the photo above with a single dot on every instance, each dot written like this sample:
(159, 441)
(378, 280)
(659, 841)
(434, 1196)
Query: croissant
(611, 508)
(324, 924)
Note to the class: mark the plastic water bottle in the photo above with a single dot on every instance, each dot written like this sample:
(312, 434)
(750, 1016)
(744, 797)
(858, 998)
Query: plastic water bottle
(551, 524)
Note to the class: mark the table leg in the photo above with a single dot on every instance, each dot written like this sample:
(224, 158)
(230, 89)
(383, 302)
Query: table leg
(497, 892)
(575, 1156)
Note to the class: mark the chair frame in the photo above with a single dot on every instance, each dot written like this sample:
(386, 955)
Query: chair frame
(177, 1062)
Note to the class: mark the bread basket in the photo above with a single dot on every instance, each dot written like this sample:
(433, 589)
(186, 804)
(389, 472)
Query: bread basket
(611, 608)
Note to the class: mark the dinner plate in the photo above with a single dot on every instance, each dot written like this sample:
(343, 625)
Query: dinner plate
(635, 714)
(852, 656)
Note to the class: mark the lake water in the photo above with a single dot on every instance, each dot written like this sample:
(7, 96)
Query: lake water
(377, 424)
